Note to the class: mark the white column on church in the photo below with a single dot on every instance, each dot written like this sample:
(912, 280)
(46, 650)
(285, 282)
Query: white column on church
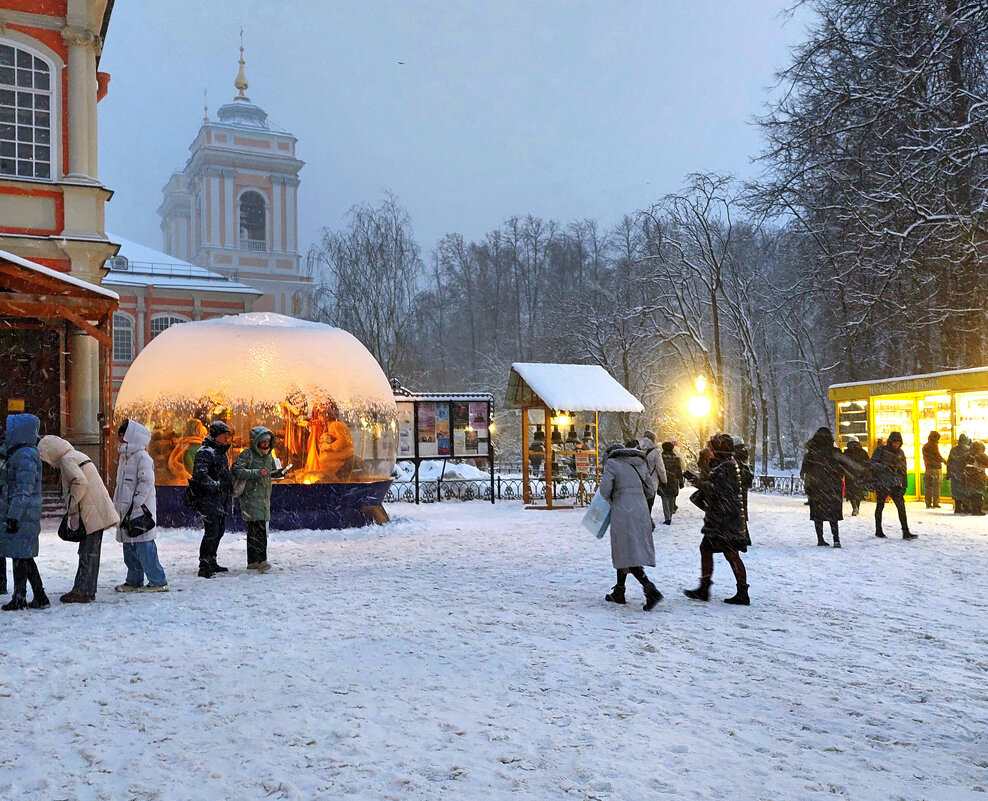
(277, 200)
(201, 200)
(292, 217)
(214, 209)
(232, 221)
(80, 43)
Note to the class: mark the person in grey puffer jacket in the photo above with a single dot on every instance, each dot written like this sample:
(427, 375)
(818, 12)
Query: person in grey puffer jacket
(625, 485)
(134, 494)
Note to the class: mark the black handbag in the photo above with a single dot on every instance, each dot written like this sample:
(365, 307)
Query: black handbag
(698, 500)
(135, 526)
(69, 534)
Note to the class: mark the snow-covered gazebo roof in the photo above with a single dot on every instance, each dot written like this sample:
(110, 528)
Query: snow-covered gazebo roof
(573, 387)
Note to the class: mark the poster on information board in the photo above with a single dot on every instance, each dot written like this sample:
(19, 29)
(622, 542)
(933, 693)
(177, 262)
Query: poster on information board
(479, 426)
(444, 441)
(427, 430)
(406, 430)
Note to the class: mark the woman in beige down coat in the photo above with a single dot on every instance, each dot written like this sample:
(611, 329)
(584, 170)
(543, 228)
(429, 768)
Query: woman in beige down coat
(86, 500)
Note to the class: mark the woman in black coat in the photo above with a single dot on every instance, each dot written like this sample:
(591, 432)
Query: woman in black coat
(724, 529)
(823, 471)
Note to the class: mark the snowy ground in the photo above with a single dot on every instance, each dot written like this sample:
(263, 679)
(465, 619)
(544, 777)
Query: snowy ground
(465, 652)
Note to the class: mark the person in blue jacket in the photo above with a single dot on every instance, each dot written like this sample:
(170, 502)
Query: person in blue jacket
(20, 510)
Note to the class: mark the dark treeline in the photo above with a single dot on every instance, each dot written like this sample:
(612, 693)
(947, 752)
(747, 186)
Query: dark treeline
(859, 254)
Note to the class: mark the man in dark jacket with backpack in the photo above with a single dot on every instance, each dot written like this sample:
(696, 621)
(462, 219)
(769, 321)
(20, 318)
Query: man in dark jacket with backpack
(214, 485)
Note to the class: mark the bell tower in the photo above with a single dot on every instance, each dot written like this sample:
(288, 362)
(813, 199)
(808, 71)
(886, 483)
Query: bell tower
(234, 207)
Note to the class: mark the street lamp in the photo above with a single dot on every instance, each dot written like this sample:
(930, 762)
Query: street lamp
(699, 405)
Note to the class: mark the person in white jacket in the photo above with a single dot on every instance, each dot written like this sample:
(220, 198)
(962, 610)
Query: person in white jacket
(133, 495)
(86, 501)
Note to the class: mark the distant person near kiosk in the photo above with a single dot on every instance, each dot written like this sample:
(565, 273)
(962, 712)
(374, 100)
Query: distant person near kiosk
(933, 463)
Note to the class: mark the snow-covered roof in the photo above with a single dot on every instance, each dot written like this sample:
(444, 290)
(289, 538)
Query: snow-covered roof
(146, 266)
(60, 276)
(481, 397)
(942, 374)
(570, 387)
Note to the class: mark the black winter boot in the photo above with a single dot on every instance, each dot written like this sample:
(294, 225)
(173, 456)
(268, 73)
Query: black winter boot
(652, 595)
(880, 533)
(701, 593)
(40, 601)
(907, 535)
(837, 540)
(15, 603)
(616, 595)
(740, 598)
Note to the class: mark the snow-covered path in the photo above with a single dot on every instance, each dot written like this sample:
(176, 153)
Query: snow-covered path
(465, 651)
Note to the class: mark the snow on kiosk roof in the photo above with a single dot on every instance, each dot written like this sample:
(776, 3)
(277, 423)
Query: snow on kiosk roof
(574, 387)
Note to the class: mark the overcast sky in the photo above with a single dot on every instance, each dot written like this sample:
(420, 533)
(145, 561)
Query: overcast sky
(561, 109)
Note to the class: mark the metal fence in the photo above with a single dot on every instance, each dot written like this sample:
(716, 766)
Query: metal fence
(504, 489)
(780, 485)
(510, 489)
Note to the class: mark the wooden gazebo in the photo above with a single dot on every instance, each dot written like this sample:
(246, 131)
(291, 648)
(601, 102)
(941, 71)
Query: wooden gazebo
(554, 396)
(41, 365)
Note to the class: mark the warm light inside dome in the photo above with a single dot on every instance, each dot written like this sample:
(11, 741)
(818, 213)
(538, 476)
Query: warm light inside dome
(317, 388)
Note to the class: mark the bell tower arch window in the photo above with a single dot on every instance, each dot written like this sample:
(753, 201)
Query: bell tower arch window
(27, 105)
(253, 221)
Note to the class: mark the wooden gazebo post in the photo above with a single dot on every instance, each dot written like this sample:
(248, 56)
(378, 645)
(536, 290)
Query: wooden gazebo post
(526, 494)
(548, 457)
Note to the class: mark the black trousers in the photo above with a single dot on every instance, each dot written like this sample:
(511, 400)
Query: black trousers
(26, 570)
(215, 528)
(900, 504)
(257, 541)
(87, 574)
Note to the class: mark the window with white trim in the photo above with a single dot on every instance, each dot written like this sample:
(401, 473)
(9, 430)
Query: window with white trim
(25, 114)
(253, 221)
(123, 338)
(163, 323)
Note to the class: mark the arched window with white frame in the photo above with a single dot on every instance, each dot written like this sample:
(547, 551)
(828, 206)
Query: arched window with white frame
(123, 338)
(253, 221)
(27, 107)
(163, 322)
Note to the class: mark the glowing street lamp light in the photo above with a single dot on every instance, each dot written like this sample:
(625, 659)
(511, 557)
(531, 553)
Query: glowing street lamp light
(699, 405)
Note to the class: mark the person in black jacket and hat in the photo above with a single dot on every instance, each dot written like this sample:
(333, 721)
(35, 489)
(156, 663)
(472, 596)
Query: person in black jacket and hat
(823, 471)
(724, 529)
(889, 463)
(212, 477)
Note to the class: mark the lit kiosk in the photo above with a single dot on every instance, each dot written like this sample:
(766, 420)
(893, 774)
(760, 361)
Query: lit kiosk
(952, 403)
(560, 414)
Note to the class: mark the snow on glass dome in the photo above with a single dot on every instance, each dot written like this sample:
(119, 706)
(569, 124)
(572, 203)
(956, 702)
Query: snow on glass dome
(317, 388)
